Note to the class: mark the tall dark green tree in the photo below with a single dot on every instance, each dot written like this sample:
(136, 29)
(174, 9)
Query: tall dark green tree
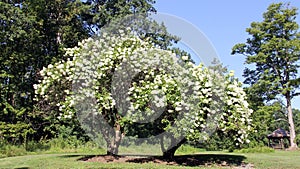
(273, 48)
(102, 12)
(33, 34)
(17, 55)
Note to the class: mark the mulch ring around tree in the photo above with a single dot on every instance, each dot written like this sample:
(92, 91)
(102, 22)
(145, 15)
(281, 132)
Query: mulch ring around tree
(232, 161)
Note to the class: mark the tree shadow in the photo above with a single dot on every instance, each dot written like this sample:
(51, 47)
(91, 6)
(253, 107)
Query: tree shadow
(195, 160)
(87, 157)
(182, 160)
(72, 155)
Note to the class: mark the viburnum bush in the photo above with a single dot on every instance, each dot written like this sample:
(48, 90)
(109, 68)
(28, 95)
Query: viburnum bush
(125, 80)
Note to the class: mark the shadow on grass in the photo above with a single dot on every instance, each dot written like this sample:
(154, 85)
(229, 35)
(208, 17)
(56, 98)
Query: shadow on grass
(70, 156)
(196, 160)
(183, 160)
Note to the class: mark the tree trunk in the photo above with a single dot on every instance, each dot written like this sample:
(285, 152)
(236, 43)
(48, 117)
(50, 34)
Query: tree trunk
(112, 135)
(113, 145)
(293, 144)
(170, 152)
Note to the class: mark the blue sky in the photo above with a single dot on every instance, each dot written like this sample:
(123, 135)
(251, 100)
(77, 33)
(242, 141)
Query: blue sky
(223, 22)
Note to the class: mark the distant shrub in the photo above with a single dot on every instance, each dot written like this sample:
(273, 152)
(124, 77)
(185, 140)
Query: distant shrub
(256, 150)
(12, 150)
(33, 146)
(61, 143)
(55, 145)
(188, 149)
(298, 139)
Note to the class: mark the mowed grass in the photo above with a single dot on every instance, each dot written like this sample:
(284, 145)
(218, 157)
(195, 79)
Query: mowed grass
(275, 160)
(67, 161)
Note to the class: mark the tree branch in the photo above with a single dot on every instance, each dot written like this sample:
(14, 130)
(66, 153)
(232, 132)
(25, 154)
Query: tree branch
(295, 94)
(281, 119)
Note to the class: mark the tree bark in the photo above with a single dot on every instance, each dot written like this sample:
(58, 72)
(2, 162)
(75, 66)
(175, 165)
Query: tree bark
(113, 145)
(110, 129)
(293, 144)
(170, 152)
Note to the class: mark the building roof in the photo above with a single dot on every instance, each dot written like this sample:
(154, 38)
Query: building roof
(279, 133)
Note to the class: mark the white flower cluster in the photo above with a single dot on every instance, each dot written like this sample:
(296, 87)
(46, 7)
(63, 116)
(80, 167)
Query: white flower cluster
(237, 113)
(55, 86)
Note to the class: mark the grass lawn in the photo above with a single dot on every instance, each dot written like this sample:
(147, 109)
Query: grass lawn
(278, 159)
(275, 160)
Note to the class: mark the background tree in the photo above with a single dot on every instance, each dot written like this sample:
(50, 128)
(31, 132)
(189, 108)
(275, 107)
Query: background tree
(274, 49)
(101, 12)
(17, 59)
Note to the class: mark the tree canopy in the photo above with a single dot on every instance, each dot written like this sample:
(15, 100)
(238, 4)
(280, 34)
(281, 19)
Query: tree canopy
(273, 48)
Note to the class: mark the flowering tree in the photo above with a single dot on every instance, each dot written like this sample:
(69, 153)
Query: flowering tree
(119, 80)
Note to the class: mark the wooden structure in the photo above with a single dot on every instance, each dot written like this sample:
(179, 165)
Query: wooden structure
(276, 139)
